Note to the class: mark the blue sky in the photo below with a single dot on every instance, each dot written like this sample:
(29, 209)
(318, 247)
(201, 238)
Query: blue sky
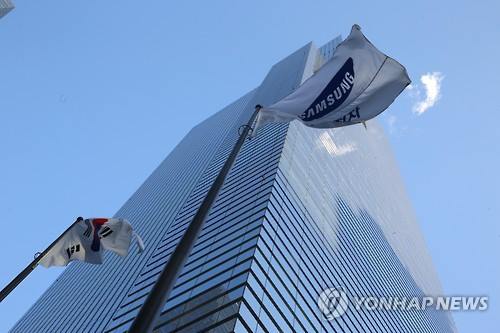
(94, 94)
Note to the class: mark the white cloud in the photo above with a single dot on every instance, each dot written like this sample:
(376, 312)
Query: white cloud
(333, 149)
(432, 86)
(391, 121)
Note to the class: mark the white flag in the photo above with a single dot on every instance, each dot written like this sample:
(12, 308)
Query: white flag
(356, 84)
(87, 240)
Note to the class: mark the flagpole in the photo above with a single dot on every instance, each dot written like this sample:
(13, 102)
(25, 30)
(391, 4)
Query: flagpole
(25, 272)
(159, 294)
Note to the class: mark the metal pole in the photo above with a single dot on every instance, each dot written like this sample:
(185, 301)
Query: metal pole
(25, 272)
(151, 309)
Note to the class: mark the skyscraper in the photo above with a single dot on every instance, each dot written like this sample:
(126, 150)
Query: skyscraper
(301, 210)
(5, 7)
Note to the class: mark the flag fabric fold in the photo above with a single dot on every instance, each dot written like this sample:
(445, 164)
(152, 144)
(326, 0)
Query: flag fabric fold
(87, 240)
(356, 84)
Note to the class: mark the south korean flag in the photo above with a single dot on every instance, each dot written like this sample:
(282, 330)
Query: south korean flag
(87, 240)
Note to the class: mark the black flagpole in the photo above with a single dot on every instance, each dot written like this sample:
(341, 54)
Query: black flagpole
(25, 272)
(150, 310)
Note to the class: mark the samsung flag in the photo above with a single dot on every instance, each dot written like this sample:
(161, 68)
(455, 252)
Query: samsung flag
(87, 240)
(357, 84)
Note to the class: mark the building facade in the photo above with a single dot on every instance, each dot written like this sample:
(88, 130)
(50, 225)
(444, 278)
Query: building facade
(302, 210)
(5, 7)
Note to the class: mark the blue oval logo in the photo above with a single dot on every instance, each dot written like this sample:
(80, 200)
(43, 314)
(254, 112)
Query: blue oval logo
(334, 94)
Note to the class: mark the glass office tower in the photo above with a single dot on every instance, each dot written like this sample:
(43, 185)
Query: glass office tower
(5, 7)
(301, 210)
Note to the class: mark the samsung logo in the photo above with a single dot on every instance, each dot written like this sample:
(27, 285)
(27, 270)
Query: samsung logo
(335, 93)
